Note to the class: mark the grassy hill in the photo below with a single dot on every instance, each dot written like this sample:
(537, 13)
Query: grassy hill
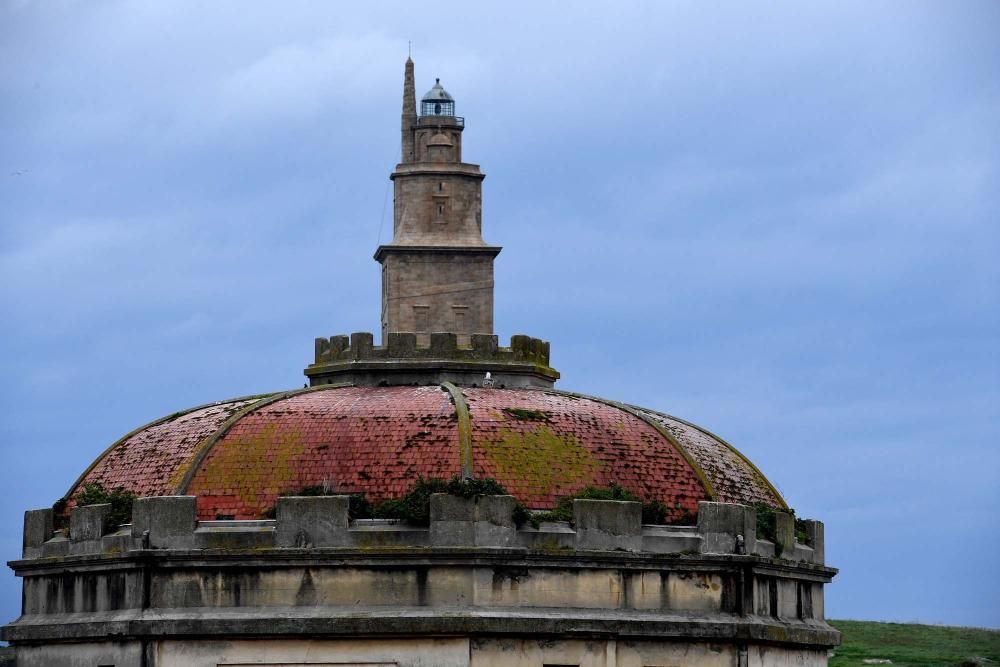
(911, 645)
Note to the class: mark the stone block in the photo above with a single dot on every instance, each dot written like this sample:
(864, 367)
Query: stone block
(322, 350)
(312, 521)
(452, 521)
(494, 525)
(444, 344)
(338, 344)
(520, 345)
(764, 548)
(497, 510)
(57, 546)
(814, 529)
(362, 344)
(89, 522)
(670, 539)
(234, 540)
(446, 507)
(453, 533)
(484, 521)
(484, 346)
(38, 526)
(721, 523)
(170, 520)
(401, 345)
(117, 543)
(608, 525)
(784, 531)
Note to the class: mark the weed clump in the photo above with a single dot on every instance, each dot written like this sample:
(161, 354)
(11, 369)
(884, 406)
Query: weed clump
(767, 527)
(415, 506)
(653, 511)
(119, 499)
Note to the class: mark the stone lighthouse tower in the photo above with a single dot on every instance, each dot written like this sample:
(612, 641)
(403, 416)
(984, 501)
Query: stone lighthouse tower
(437, 273)
(227, 555)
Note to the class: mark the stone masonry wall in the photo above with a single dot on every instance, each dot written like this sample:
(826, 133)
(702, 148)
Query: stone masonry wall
(437, 291)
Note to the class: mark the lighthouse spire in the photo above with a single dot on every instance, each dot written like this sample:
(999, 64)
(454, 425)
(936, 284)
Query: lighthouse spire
(409, 119)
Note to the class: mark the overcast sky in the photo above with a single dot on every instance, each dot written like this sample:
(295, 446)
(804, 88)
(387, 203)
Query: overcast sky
(778, 220)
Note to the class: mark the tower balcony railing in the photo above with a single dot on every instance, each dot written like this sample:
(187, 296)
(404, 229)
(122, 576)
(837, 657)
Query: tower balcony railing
(441, 120)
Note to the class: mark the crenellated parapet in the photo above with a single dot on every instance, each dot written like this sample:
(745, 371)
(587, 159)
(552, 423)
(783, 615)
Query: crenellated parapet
(170, 523)
(470, 570)
(355, 359)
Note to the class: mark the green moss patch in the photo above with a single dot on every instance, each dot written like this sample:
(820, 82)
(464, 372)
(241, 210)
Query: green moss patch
(541, 455)
(526, 414)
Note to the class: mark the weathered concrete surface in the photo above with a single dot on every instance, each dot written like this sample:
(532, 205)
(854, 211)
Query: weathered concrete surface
(496, 651)
(312, 521)
(87, 526)
(96, 654)
(361, 652)
(720, 524)
(608, 525)
(817, 539)
(170, 520)
(784, 529)
(38, 525)
(89, 522)
(483, 521)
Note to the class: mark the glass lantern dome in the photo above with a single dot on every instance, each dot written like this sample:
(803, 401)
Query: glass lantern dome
(437, 102)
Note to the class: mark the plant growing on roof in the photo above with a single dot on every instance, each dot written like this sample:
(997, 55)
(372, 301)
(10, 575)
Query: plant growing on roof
(119, 499)
(415, 506)
(653, 511)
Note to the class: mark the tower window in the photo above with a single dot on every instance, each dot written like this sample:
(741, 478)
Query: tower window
(440, 186)
(440, 210)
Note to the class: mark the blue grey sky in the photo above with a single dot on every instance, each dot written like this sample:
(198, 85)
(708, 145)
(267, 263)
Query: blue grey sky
(778, 220)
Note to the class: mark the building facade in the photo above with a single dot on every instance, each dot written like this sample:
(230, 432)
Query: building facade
(226, 560)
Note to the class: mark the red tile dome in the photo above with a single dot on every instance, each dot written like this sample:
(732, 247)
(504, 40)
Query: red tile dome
(237, 456)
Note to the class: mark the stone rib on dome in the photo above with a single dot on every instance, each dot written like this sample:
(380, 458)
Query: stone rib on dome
(147, 460)
(237, 456)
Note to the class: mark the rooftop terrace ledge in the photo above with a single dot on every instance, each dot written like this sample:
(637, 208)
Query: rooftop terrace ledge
(312, 570)
(309, 523)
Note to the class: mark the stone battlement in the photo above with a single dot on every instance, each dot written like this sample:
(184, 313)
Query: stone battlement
(401, 360)
(605, 574)
(169, 522)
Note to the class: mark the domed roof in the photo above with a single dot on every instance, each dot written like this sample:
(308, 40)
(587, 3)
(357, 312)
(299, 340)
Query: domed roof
(437, 94)
(237, 456)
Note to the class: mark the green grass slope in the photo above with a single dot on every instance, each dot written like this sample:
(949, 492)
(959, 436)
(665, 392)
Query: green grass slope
(911, 645)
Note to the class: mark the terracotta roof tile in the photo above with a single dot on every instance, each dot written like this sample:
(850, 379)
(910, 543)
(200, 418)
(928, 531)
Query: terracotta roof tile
(544, 445)
(541, 445)
(733, 478)
(146, 462)
(372, 441)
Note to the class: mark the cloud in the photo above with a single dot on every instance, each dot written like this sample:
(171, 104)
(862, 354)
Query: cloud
(780, 223)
